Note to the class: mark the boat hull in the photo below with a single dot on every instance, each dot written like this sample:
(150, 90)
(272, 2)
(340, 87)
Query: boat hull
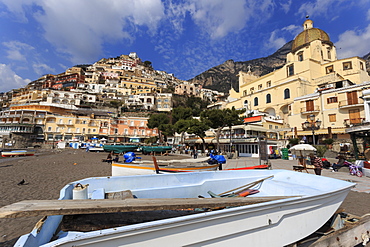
(129, 169)
(273, 223)
(17, 153)
(120, 148)
(155, 149)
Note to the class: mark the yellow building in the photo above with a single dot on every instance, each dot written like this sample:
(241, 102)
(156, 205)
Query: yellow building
(312, 84)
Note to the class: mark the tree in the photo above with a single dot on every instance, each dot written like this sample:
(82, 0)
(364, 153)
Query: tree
(198, 128)
(159, 121)
(197, 105)
(218, 119)
(116, 104)
(181, 127)
(168, 130)
(181, 113)
(148, 64)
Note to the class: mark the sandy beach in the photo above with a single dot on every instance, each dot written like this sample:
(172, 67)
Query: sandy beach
(49, 170)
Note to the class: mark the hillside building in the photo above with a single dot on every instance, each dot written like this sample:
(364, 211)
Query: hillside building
(313, 84)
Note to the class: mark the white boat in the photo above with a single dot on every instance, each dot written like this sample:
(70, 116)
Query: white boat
(164, 166)
(15, 153)
(304, 204)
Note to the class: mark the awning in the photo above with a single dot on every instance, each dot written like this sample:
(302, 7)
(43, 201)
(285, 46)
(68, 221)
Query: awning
(247, 127)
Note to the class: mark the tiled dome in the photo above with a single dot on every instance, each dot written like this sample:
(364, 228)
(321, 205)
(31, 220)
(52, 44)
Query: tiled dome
(308, 35)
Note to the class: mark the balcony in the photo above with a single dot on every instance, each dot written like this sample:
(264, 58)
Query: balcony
(310, 110)
(351, 103)
(354, 122)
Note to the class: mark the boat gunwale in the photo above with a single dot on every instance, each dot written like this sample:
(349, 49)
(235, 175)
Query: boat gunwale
(200, 217)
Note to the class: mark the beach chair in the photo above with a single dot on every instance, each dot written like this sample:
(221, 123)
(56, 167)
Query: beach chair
(302, 166)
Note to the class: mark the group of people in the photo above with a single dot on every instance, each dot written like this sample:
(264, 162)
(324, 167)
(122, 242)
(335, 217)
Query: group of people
(319, 163)
(110, 158)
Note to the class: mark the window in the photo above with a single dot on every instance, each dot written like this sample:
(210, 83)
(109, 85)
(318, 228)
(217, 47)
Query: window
(287, 93)
(362, 66)
(260, 87)
(246, 103)
(329, 69)
(332, 117)
(268, 98)
(332, 100)
(300, 56)
(276, 127)
(268, 84)
(290, 70)
(270, 126)
(49, 129)
(347, 65)
(244, 92)
(255, 101)
(61, 121)
(252, 90)
(329, 53)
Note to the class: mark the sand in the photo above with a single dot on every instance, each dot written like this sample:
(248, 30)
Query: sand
(49, 170)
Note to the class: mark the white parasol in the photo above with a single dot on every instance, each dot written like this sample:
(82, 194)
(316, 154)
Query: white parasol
(302, 149)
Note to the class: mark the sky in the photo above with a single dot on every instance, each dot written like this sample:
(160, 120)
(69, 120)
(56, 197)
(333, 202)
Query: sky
(183, 37)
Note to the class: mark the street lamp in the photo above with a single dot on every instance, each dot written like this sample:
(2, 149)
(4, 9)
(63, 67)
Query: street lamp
(312, 125)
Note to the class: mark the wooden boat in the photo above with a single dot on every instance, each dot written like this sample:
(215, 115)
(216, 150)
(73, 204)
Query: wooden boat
(15, 153)
(250, 167)
(155, 149)
(120, 148)
(288, 207)
(141, 168)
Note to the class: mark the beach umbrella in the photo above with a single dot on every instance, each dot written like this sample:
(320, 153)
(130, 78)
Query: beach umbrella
(302, 149)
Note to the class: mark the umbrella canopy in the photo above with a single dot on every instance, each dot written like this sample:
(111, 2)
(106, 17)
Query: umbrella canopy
(302, 149)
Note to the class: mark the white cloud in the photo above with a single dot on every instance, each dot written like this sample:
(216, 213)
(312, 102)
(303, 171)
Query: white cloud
(17, 50)
(219, 17)
(10, 80)
(274, 41)
(319, 7)
(80, 28)
(368, 15)
(353, 43)
(286, 6)
(279, 37)
(42, 68)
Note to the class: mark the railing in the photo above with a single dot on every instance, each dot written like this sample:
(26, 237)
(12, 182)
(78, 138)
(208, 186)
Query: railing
(307, 110)
(354, 122)
(351, 103)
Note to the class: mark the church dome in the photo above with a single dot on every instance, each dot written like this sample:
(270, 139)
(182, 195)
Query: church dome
(308, 35)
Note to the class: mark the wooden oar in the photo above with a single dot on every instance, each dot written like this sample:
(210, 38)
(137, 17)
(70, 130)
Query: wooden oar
(30, 208)
(246, 186)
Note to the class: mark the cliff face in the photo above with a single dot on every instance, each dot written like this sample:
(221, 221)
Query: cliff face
(222, 76)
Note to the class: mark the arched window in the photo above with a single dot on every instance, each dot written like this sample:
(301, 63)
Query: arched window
(246, 103)
(268, 98)
(287, 93)
(256, 101)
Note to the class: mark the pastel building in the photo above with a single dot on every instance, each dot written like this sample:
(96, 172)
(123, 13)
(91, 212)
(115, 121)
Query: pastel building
(313, 84)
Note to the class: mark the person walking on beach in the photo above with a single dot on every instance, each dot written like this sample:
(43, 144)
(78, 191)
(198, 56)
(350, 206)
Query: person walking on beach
(317, 163)
(109, 158)
(195, 153)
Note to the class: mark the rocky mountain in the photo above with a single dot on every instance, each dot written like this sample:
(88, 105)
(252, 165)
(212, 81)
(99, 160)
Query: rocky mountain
(222, 76)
